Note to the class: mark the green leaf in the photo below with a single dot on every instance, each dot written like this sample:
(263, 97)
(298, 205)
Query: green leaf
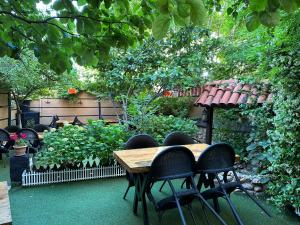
(58, 5)
(252, 21)
(160, 26)
(97, 161)
(94, 3)
(180, 21)
(107, 3)
(251, 147)
(163, 6)
(46, 2)
(269, 19)
(198, 12)
(84, 162)
(288, 5)
(258, 5)
(80, 26)
(184, 10)
(91, 161)
(81, 2)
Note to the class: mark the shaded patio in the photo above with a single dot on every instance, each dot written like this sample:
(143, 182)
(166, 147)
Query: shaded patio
(100, 202)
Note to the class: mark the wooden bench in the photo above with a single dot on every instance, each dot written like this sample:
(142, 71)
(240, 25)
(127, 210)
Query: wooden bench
(5, 214)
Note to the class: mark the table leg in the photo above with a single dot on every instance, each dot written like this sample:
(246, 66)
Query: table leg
(140, 195)
(211, 178)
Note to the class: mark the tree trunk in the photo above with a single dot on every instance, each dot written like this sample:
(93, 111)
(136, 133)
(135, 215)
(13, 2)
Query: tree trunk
(115, 107)
(18, 108)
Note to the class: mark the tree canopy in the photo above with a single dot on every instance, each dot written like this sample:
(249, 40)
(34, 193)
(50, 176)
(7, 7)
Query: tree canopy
(86, 30)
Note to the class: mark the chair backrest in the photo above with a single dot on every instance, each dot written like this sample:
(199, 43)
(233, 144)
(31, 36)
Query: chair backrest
(41, 128)
(76, 121)
(12, 129)
(140, 141)
(216, 158)
(4, 135)
(53, 122)
(31, 135)
(171, 163)
(178, 138)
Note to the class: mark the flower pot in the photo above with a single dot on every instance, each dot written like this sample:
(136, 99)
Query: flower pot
(20, 150)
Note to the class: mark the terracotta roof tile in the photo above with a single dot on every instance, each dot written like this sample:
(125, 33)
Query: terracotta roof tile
(227, 93)
(244, 94)
(225, 98)
(235, 95)
(230, 93)
(218, 97)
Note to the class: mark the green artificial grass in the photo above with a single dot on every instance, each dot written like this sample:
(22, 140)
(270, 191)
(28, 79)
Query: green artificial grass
(100, 202)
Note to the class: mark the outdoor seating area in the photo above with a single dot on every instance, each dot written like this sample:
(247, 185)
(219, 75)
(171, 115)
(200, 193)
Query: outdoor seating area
(151, 112)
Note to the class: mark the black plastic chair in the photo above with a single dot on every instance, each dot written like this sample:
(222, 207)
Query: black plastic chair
(53, 123)
(177, 138)
(135, 142)
(12, 129)
(218, 160)
(5, 142)
(176, 162)
(41, 128)
(77, 122)
(33, 138)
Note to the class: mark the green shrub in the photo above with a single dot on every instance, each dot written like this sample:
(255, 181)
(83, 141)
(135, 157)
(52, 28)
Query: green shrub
(160, 126)
(179, 106)
(228, 125)
(74, 146)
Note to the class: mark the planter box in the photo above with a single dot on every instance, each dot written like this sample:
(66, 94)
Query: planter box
(31, 178)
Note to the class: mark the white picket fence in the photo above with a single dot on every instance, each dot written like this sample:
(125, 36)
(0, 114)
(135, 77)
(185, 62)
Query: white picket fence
(30, 178)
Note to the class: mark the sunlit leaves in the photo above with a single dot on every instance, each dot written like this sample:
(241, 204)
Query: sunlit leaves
(269, 19)
(258, 5)
(182, 12)
(198, 12)
(252, 21)
(161, 26)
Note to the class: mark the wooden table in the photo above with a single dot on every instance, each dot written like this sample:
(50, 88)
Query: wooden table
(5, 214)
(138, 162)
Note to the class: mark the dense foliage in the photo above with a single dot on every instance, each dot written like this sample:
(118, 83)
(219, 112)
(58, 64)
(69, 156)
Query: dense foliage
(74, 146)
(92, 145)
(86, 30)
(160, 126)
(232, 128)
(176, 106)
(273, 144)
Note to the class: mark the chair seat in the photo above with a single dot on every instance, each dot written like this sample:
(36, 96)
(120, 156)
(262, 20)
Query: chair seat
(217, 191)
(185, 197)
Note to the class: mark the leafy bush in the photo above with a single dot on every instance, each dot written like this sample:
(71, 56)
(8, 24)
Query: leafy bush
(232, 128)
(180, 106)
(160, 126)
(74, 146)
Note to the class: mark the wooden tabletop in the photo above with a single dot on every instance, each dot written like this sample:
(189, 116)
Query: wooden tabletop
(139, 160)
(5, 214)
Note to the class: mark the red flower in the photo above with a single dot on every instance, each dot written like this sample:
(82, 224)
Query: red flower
(23, 136)
(167, 93)
(14, 137)
(72, 91)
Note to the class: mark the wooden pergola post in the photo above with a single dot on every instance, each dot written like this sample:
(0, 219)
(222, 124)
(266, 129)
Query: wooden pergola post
(209, 127)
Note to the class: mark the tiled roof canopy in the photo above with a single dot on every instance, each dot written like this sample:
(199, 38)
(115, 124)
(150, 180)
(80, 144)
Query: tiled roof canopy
(228, 93)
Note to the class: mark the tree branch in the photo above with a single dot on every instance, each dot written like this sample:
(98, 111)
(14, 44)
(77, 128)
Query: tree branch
(60, 17)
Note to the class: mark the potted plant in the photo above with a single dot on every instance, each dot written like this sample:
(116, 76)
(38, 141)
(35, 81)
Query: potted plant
(20, 144)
